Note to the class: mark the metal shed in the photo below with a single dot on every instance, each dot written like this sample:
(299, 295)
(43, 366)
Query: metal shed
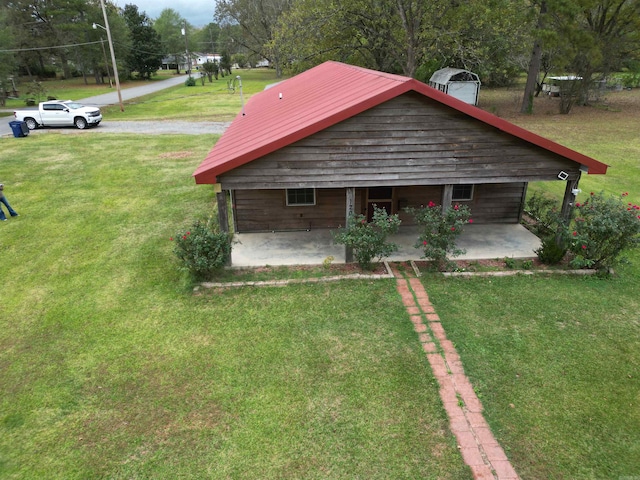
(461, 84)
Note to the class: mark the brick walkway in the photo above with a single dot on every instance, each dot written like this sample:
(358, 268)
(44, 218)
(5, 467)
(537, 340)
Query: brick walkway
(478, 446)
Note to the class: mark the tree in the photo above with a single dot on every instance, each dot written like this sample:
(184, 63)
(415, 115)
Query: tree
(534, 62)
(387, 35)
(225, 64)
(255, 21)
(404, 36)
(207, 38)
(145, 56)
(588, 38)
(7, 64)
(169, 27)
(48, 29)
(211, 69)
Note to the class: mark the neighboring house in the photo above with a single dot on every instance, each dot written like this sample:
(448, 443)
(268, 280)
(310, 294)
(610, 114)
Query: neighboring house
(337, 139)
(201, 58)
(169, 62)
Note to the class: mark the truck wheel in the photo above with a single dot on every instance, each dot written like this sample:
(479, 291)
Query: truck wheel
(31, 123)
(81, 123)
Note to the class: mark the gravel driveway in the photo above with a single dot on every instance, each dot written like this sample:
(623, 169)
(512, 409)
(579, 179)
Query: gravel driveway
(146, 128)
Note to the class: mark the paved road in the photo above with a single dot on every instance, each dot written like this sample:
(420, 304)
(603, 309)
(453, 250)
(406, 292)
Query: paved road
(146, 127)
(111, 98)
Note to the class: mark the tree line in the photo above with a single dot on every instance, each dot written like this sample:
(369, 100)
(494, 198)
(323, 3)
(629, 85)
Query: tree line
(500, 40)
(42, 39)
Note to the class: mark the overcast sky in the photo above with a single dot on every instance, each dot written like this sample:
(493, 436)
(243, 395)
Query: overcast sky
(197, 12)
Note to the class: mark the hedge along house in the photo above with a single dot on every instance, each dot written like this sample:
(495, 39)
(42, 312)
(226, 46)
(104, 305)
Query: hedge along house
(339, 139)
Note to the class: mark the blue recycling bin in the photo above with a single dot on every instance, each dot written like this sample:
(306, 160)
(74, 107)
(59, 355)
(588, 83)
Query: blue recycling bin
(20, 129)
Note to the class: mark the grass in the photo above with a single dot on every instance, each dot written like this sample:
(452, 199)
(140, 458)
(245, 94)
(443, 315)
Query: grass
(72, 89)
(112, 368)
(209, 102)
(555, 360)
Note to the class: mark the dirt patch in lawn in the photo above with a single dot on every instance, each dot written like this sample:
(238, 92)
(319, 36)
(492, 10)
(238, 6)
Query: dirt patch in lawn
(506, 103)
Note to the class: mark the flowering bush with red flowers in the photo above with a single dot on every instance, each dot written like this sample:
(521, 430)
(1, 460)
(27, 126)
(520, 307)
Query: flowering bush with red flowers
(603, 228)
(202, 249)
(440, 231)
(369, 239)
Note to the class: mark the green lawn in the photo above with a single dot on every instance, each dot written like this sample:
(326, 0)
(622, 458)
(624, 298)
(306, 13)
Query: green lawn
(556, 361)
(213, 101)
(110, 366)
(209, 102)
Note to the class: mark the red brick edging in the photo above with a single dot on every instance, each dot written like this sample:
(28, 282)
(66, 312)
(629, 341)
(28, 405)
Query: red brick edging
(478, 446)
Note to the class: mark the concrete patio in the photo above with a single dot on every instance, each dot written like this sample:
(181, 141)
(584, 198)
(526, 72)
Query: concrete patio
(313, 247)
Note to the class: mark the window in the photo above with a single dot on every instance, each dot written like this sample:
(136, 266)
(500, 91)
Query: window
(301, 196)
(52, 106)
(462, 193)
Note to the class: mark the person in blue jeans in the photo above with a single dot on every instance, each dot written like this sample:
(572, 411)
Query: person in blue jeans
(4, 200)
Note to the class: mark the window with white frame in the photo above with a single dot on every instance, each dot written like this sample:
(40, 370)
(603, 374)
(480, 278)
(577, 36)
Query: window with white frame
(462, 193)
(300, 197)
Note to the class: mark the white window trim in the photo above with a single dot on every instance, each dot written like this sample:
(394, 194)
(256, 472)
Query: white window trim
(300, 204)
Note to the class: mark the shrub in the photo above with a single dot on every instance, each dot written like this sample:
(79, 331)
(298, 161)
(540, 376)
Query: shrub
(543, 210)
(211, 69)
(202, 249)
(190, 82)
(603, 228)
(440, 231)
(369, 239)
(551, 251)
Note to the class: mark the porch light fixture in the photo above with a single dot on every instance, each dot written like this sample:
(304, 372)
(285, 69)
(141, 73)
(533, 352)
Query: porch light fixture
(113, 55)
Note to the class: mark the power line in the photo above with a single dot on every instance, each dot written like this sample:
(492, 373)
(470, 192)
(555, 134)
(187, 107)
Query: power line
(15, 50)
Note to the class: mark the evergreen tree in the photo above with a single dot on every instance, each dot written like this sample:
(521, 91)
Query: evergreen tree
(145, 56)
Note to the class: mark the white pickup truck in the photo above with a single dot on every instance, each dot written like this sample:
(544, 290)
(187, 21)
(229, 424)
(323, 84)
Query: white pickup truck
(59, 113)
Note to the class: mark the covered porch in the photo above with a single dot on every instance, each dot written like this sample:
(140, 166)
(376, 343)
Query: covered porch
(481, 241)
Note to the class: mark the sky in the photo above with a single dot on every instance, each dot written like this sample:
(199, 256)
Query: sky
(197, 12)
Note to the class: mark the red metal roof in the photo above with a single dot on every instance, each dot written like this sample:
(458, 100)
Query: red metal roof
(325, 95)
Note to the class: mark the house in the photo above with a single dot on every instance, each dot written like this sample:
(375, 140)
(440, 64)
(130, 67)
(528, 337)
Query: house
(201, 58)
(337, 139)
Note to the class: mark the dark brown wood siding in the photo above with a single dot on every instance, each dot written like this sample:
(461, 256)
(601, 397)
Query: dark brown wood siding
(267, 210)
(409, 140)
(496, 203)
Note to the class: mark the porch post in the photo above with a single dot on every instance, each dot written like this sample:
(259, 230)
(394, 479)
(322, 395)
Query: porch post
(221, 200)
(569, 197)
(223, 216)
(350, 203)
(447, 195)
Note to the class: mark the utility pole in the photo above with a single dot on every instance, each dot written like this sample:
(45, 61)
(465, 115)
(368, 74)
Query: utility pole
(186, 47)
(106, 64)
(113, 55)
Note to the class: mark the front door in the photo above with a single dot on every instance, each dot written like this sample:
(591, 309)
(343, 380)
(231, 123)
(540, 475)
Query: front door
(381, 197)
(55, 114)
